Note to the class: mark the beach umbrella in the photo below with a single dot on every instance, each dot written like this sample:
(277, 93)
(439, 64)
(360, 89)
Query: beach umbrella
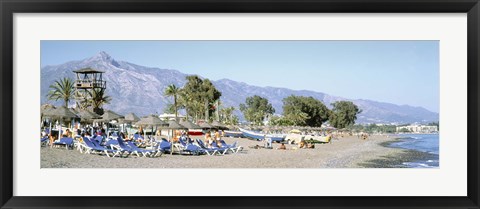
(129, 118)
(107, 117)
(47, 108)
(205, 125)
(189, 125)
(86, 115)
(218, 125)
(60, 113)
(110, 115)
(151, 120)
(132, 117)
(173, 125)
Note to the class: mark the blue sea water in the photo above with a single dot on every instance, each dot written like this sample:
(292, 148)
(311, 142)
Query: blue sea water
(428, 143)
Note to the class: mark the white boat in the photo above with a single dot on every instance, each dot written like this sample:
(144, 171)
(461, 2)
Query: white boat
(294, 138)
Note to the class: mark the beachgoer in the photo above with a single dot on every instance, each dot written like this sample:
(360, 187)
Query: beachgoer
(302, 144)
(217, 135)
(282, 147)
(68, 133)
(208, 140)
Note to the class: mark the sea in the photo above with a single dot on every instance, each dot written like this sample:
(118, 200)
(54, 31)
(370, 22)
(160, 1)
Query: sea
(428, 144)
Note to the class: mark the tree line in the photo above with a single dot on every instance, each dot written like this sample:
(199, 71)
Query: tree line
(300, 111)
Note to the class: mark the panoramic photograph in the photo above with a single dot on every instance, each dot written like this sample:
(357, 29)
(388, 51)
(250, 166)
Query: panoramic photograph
(239, 104)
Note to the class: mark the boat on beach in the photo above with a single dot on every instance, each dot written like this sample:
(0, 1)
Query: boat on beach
(237, 134)
(294, 138)
(262, 136)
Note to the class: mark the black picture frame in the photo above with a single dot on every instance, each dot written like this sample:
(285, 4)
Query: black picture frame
(10, 7)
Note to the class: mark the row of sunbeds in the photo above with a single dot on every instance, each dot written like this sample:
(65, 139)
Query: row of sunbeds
(121, 148)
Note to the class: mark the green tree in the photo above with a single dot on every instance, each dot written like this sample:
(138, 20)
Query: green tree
(173, 91)
(305, 111)
(97, 99)
(62, 89)
(200, 96)
(344, 113)
(227, 115)
(256, 108)
(280, 121)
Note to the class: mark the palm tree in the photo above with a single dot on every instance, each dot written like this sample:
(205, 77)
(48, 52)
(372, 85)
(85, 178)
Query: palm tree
(62, 89)
(185, 101)
(173, 90)
(98, 99)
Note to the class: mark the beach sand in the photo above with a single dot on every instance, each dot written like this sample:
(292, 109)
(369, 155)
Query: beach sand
(348, 152)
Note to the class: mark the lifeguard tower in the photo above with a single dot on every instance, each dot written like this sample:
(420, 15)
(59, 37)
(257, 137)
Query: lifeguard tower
(88, 80)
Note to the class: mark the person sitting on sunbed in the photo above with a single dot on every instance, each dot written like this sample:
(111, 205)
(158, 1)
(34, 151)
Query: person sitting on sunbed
(208, 140)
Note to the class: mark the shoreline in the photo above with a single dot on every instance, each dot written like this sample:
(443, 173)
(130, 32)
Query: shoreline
(397, 158)
(347, 152)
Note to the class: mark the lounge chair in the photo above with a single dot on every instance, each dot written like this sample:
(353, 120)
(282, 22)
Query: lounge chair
(233, 147)
(209, 151)
(134, 149)
(165, 146)
(193, 150)
(112, 143)
(98, 139)
(221, 150)
(65, 141)
(91, 147)
(44, 141)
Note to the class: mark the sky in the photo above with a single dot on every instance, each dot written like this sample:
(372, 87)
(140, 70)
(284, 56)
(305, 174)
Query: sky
(399, 72)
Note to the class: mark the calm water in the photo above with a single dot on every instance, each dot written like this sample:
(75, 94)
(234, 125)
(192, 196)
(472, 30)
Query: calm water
(427, 143)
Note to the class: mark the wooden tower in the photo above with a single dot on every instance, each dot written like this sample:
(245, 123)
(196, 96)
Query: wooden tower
(87, 80)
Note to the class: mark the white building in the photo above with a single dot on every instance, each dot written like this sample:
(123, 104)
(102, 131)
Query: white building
(418, 128)
(166, 116)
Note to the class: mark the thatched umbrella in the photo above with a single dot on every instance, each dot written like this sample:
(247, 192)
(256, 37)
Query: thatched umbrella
(219, 125)
(46, 108)
(132, 117)
(60, 113)
(87, 116)
(151, 120)
(189, 125)
(109, 116)
(205, 125)
(129, 118)
(173, 125)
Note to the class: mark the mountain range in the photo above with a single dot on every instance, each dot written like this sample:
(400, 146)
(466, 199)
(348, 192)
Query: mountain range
(139, 89)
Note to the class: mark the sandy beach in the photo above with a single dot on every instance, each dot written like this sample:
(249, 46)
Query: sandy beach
(348, 152)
